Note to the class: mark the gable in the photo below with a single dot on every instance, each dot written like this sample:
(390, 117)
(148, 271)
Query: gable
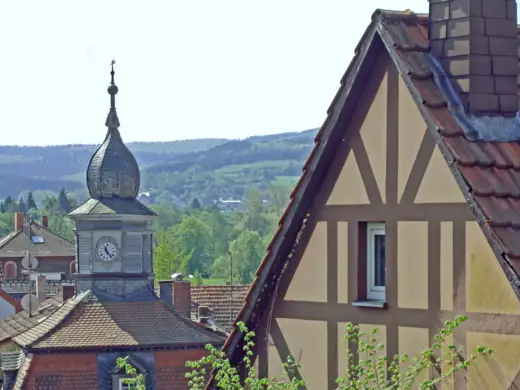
(52, 245)
(492, 198)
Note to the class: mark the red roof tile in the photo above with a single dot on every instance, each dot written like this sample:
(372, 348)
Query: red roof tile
(85, 322)
(224, 301)
(487, 172)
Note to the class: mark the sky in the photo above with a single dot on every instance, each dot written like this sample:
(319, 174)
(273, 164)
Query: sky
(185, 69)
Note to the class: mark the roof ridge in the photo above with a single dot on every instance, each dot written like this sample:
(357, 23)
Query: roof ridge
(52, 232)
(7, 239)
(76, 300)
(187, 321)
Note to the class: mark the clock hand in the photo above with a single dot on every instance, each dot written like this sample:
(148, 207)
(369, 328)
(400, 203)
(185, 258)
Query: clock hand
(106, 251)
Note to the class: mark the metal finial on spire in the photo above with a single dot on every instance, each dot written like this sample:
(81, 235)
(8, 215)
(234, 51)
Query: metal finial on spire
(112, 120)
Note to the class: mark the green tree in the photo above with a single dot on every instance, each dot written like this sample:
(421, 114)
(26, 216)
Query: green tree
(51, 206)
(31, 204)
(21, 206)
(278, 196)
(369, 373)
(193, 237)
(195, 204)
(6, 223)
(168, 256)
(373, 371)
(245, 253)
(167, 216)
(254, 213)
(220, 232)
(10, 205)
(64, 201)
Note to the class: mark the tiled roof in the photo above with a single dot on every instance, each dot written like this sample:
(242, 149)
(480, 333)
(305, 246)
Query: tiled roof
(112, 206)
(12, 360)
(218, 299)
(86, 322)
(22, 372)
(53, 244)
(20, 322)
(487, 172)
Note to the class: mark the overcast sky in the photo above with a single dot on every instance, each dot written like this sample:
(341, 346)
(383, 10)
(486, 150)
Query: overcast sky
(185, 69)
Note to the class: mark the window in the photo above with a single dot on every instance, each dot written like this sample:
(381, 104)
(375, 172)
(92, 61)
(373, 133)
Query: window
(126, 386)
(376, 261)
(37, 239)
(10, 270)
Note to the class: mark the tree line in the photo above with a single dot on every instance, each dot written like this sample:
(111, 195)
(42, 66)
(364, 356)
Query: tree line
(55, 207)
(205, 242)
(210, 243)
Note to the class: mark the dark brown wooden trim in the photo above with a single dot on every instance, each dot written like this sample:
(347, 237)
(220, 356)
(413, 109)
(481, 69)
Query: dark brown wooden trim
(283, 349)
(506, 324)
(414, 212)
(332, 262)
(366, 171)
(392, 135)
(420, 165)
(459, 292)
(392, 283)
(332, 354)
(332, 296)
(361, 260)
(434, 266)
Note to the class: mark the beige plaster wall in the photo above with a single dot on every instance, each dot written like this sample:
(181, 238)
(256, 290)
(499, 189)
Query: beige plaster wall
(437, 184)
(309, 282)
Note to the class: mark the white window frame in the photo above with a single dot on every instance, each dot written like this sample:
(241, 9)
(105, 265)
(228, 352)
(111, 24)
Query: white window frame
(123, 385)
(374, 292)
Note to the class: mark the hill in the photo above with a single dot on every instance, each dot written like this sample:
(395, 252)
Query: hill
(181, 170)
(50, 168)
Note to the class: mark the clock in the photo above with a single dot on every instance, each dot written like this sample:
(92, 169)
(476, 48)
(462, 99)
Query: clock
(107, 249)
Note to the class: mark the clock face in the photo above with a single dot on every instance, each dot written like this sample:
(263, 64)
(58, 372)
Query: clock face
(107, 250)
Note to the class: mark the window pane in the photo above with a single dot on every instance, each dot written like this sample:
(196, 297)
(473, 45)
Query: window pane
(379, 260)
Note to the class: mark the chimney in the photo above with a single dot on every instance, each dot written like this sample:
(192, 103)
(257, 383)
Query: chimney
(67, 292)
(204, 315)
(41, 282)
(477, 43)
(45, 221)
(19, 219)
(177, 293)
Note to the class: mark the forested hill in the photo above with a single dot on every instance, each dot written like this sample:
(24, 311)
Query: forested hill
(201, 168)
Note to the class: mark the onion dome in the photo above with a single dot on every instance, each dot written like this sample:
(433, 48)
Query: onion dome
(113, 171)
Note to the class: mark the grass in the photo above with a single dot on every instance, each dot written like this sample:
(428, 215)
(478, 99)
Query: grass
(214, 281)
(287, 180)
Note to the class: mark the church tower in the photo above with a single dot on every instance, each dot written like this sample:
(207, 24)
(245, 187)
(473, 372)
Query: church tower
(113, 229)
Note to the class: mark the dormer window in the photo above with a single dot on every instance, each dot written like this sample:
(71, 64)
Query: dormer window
(123, 385)
(120, 377)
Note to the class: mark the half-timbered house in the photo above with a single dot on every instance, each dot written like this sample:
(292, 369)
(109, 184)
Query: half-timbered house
(407, 212)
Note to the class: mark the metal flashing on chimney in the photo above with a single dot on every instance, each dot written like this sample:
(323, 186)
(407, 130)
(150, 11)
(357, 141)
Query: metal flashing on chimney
(475, 128)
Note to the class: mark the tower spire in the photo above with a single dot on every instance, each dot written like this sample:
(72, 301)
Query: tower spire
(112, 119)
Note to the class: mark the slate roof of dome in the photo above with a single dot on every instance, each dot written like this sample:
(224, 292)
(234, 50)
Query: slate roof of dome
(113, 170)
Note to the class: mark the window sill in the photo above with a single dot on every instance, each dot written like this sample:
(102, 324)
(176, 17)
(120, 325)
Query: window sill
(372, 303)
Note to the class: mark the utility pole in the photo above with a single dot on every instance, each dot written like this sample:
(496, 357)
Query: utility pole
(230, 284)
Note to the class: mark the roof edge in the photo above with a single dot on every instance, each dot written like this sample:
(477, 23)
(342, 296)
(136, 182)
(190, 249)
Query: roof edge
(296, 209)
